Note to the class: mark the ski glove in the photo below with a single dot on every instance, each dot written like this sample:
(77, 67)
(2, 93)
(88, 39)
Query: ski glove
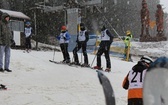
(65, 38)
(13, 43)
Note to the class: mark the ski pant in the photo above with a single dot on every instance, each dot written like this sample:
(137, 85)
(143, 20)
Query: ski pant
(104, 48)
(125, 53)
(64, 49)
(135, 101)
(28, 43)
(77, 48)
(4, 50)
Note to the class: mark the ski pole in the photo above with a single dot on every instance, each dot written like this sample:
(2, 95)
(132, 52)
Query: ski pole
(94, 57)
(93, 60)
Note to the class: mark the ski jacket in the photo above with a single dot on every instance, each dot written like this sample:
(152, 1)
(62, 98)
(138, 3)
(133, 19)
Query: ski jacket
(133, 82)
(28, 31)
(106, 38)
(83, 36)
(64, 37)
(127, 40)
(5, 31)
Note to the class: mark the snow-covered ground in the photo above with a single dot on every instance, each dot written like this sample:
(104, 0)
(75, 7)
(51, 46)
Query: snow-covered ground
(153, 49)
(36, 81)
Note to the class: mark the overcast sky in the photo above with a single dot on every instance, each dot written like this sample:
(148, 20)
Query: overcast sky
(165, 4)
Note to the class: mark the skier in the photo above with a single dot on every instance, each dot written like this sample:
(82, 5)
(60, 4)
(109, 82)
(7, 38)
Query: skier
(82, 39)
(127, 42)
(106, 40)
(6, 40)
(64, 38)
(28, 35)
(133, 82)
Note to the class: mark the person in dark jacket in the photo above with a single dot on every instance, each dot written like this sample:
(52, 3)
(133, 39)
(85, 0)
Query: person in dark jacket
(104, 47)
(28, 35)
(6, 40)
(64, 38)
(82, 39)
(133, 82)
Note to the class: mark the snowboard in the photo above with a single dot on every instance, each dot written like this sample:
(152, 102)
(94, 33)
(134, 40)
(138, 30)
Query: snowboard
(155, 87)
(107, 88)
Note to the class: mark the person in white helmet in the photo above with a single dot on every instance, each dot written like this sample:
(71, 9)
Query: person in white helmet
(133, 82)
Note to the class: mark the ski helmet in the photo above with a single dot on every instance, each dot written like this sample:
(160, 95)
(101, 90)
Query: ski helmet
(146, 59)
(128, 32)
(63, 28)
(27, 23)
(103, 28)
(82, 26)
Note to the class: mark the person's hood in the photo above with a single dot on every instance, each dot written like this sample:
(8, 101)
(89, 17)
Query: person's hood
(4, 15)
(139, 67)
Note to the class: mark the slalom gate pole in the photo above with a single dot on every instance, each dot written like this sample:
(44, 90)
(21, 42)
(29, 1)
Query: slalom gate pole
(54, 52)
(81, 52)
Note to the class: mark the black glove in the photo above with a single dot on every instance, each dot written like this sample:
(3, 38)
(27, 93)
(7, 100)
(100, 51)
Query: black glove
(110, 42)
(13, 43)
(123, 38)
(77, 41)
(65, 38)
(30, 36)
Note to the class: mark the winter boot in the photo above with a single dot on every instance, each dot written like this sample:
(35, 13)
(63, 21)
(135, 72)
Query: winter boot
(1, 70)
(68, 61)
(107, 69)
(8, 70)
(64, 61)
(3, 87)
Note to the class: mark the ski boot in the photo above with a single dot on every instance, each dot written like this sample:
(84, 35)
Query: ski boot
(3, 87)
(85, 65)
(98, 68)
(107, 70)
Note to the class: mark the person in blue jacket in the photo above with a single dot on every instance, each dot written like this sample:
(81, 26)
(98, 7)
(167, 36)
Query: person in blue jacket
(64, 38)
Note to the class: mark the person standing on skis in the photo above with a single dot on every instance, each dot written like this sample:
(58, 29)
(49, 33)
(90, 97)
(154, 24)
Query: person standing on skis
(133, 82)
(104, 47)
(64, 38)
(82, 39)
